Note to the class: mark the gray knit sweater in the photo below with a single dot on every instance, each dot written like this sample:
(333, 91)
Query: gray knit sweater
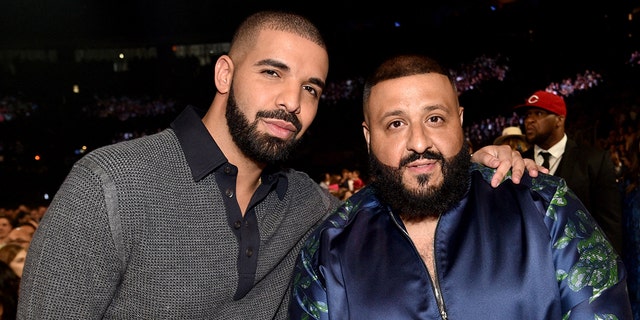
(131, 235)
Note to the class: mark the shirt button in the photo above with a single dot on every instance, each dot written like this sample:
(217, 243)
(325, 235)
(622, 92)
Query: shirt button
(229, 193)
(237, 224)
(249, 252)
(227, 170)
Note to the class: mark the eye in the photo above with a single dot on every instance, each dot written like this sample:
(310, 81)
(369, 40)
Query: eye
(435, 119)
(311, 90)
(271, 73)
(395, 124)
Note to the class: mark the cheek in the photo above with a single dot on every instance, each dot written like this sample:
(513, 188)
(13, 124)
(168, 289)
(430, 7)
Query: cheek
(449, 147)
(388, 152)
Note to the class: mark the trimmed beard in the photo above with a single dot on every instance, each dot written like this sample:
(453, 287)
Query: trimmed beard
(258, 146)
(428, 201)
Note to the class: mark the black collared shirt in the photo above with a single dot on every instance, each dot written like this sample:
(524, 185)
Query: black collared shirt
(205, 157)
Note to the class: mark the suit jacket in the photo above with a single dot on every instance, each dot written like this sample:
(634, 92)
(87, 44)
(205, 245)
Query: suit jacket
(589, 172)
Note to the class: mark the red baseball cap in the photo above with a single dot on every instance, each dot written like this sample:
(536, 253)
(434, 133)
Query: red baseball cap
(547, 101)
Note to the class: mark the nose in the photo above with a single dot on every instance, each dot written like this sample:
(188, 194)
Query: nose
(419, 140)
(528, 118)
(289, 98)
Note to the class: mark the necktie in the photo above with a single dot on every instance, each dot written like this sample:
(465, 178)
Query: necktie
(545, 155)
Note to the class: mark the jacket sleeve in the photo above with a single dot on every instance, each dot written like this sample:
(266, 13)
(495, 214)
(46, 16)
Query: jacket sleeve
(72, 267)
(308, 292)
(591, 275)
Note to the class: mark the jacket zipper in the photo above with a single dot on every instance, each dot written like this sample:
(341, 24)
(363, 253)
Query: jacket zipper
(436, 285)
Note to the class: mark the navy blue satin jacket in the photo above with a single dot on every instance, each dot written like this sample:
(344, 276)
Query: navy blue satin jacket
(527, 251)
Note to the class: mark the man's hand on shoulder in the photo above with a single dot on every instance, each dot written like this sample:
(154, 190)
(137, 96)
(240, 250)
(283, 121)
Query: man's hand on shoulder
(503, 158)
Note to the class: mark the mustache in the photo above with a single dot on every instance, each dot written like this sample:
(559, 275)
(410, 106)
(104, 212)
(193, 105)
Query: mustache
(424, 155)
(281, 115)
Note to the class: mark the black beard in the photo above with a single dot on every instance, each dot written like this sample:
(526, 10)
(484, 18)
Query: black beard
(415, 205)
(260, 147)
(540, 138)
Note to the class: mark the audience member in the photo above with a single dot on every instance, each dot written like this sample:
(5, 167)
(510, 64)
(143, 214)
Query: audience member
(429, 238)
(9, 285)
(513, 137)
(37, 213)
(14, 255)
(588, 170)
(5, 228)
(199, 220)
(22, 235)
(358, 183)
(23, 216)
(326, 181)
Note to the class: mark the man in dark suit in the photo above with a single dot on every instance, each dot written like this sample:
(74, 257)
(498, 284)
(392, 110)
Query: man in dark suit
(588, 171)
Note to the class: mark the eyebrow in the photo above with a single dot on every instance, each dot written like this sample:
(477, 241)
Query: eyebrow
(427, 108)
(285, 67)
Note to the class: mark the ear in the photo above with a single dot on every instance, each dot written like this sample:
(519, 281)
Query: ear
(461, 114)
(223, 73)
(367, 135)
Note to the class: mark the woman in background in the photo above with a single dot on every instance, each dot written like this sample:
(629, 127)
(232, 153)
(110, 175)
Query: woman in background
(14, 256)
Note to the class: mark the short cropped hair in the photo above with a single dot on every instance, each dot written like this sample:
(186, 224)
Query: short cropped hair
(402, 66)
(247, 33)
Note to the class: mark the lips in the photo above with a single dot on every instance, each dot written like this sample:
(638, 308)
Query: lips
(422, 165)
(280, 128)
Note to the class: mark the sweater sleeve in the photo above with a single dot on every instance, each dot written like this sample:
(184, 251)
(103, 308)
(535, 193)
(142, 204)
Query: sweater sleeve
(72, 267)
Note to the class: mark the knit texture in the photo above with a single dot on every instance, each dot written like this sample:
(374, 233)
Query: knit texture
(131, 235)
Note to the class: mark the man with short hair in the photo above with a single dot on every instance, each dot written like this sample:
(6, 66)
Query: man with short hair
(588, 170)
(429, 238)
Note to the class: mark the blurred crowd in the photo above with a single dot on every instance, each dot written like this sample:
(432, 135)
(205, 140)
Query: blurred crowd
(17, 227)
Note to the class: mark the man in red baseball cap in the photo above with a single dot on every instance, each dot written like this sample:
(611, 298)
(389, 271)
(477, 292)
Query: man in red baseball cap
(547, 101)
(588, 170)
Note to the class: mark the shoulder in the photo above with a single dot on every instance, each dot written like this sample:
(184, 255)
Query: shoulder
(360, 204)
(300, 182)
(158, 154)
(308, 191)
(298, 177)
(158, 145)
(157, 142)
(582, 150)
(544, 186)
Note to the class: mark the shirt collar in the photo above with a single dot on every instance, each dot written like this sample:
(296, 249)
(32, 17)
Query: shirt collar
(201, 151)
(556, 150)
(203, 154)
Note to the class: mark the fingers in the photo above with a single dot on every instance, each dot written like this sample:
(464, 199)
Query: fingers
(503, 159)
(517, 166)
(500, 157)
(491, 156)
(533, 168)
(501, 172)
